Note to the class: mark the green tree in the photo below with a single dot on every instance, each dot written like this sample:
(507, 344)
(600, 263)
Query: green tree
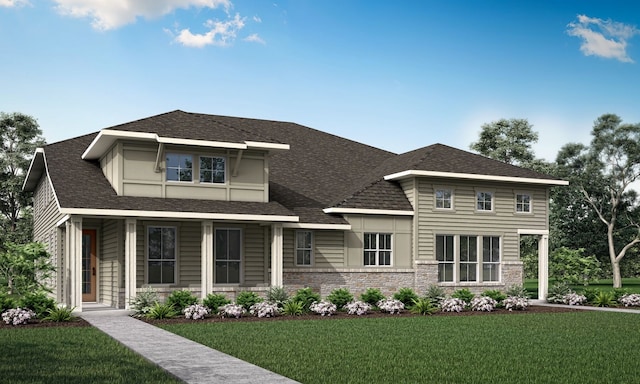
(571, 266)
(601, 175)
(508, 141)
(24, 268)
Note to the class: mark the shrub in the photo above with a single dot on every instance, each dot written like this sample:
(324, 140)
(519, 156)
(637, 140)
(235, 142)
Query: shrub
(464, 295)
(517, 291)
(435, 294)
(573, 298)
(603, 299)
(496, 295)
(142, 303)
(407, 296)
(516, 302)
(630, 300)
(423, 306)
(277, 295)
(264, 309)
(6, 302)
(60, 314)
(38, 302)
(215, 301)
(619, 292)
(340, 297)
(18, 316)
(557, 293)
(357, 308)
(371, 296)
(161, 311)
(390, 305)
(571, 266)
(483, 304)
(231, 310)
(306, 296)
(292, 308)
(323, 308)
(181, 299)
(453, 304)
(196, 311)
(247, 298)
(590, 294)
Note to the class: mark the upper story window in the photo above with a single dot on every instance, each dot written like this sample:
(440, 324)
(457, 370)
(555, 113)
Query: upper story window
(377, 249)
(523, 203)
(304, 248)
(212, 169)
(179, 167)
(444, 198)
(484, 201)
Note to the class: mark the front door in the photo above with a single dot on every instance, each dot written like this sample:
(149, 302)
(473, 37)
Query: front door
(88, 265)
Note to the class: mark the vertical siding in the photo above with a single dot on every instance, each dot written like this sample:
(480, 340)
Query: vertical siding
(254, 260)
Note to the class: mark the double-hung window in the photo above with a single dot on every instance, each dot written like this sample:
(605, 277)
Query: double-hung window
(444, 198)
(468, 258)
(228, 256)
(304, 248)
(179, 167)
(161, 255)
(484, 201)
(212, 169)
(444, 255)
(523, 203)
(490, 258)
(377, 249)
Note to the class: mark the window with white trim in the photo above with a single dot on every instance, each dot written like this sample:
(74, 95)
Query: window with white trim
(523, 203)
(444, 198)
(377, 249)
(490, 258)
(212, 169)
(458, 258)
(444, 255)
(161, 255)
(179, 167)
(484, 201)
(304, 248)
(468, 258)
(228, 255)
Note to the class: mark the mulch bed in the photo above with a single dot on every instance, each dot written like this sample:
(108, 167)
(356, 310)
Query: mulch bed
(76, 322)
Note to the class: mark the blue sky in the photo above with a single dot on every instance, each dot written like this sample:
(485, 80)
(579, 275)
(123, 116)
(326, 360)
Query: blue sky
(393, 74)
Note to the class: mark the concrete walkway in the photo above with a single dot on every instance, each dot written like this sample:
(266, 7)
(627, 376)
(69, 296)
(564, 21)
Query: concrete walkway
(183, 358)
(543, 303)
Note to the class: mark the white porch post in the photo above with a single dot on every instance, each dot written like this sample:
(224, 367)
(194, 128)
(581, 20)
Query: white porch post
(276, 255)
(207, 258)
(129, 261)
(74, 260)
(543, 267)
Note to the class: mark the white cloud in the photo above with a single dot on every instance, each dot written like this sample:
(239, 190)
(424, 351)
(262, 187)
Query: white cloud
(111, 14)
(254, 38)
(13, 3)
(604, 38)
(257, 19)
(220, 33)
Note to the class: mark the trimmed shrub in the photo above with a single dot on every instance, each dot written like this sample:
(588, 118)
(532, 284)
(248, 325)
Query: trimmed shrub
(630, 300)
(452, 304)
(573, 298)
(392, 306)
(196, 312)
(231, 310)
(306, 296)
(619, 292)
(215, 301)
(407, 296)
(143, 301)
(277, 295)
(357, 308)
(483, 304)
(247, 298)
(264, 309)
(464, 295)
(496, 295)
(340, 297)
(435, 294)
(38, 302)
(181, 299)
(18, 316)
(292, 308)
(557, 293)
(371, 296)
(590, 294)
(323, 308)
(516, 302)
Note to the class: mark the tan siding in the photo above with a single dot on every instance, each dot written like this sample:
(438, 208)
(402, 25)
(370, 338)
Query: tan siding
(189, 259)
(328, 249)
(141, 255)
(254, 260)
(109, 262)
(408, 188)
(288, 247)
(400, 228)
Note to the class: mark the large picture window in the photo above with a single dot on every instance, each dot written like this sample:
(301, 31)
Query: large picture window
(458, 258)
(212, 169)
(179, 167)
(304, 248)
(161, 255)
(377, 249)
(228, 256)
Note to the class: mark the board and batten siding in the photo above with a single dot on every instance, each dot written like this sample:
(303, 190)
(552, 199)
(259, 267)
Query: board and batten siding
(463, 219)
(399, 227)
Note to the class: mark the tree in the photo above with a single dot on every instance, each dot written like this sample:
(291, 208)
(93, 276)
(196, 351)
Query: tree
(507, 140)
(571, 266)
(19, 136)
(24, 268)
(602, 174)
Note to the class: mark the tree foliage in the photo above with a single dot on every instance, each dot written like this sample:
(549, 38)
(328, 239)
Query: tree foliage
(571, 266)
(24, 268)
(509, 141)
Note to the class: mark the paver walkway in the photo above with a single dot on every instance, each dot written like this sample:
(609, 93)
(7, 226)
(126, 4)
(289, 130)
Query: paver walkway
(543, 303)
(183, 358)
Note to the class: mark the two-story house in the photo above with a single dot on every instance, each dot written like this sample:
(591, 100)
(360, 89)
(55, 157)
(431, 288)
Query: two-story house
(223, 204)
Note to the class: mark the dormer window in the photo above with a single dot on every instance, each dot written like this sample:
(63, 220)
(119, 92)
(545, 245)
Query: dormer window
(212, 169)
(179, 167)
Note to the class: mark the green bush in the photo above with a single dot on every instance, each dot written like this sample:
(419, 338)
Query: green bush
(557, 293)
(435, 294)
(517, 291)
(215, 301)
(247, 298)
(6, 302)
(371, 296)
(161, 311)
(590, 294)
(496, 295)
(604, 299)
(60, 314)
(424, 306)
(340, 297)
(292, 308)
(181, 299)
(407, 296)
(306, 296)
(38, 302)
(571, 266)
(277, 295)
(464, 295)
(619, 292)
(141, 304)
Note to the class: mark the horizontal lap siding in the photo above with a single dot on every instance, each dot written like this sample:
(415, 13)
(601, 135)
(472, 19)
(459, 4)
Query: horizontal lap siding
(254, 255)
(189, 254)
(329, 249)
(108, 262)
(288, 248)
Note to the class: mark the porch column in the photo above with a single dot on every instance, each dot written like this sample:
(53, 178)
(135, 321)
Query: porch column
(130, 242)
(543, 267)
(276, 255)
(207, 258)
(74, 263)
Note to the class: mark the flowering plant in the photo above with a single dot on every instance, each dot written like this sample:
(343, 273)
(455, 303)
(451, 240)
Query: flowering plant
(196, 311)
(483, 304)
(516, 302)
(323, 308)
(17, 316)
(574, 299)
(391, 305)
(357, 308)
(452, 304)
(630, 300)
(264, 309)
(231, 310)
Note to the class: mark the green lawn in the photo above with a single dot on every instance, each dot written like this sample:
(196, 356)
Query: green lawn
(580, 347)
(631, 284)
(71, 355)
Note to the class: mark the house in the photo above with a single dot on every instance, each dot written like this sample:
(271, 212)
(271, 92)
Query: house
(224, 204)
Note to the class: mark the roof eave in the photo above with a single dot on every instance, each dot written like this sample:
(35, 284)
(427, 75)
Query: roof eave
(368, 211)
(471, 176)
(36, 169)
(179, 215)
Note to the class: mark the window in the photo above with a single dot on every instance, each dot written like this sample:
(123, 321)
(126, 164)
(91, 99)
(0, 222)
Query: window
(179, 167)
(228, 245)
(468, 258)
(444, 199)
(161, 255)
(304, 247)
(523, 203)
(484, 201)
(377, 249)
(444, 255)
(490, 259)
(212, 169)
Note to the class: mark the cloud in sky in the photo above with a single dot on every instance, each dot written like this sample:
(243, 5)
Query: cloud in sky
(111, 14)
(220, 33)
(254, 38)
(604, 38)
(13, 3)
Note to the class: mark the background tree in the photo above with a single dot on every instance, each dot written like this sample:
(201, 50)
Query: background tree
(601, 174)
(19, 137)
(24, 268)
(509, 141)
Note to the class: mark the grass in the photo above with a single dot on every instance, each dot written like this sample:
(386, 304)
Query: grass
(71, 355)
(631, 284)
(580, 347)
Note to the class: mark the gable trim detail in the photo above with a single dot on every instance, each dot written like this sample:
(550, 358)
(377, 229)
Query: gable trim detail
(471, 176)
(342, 227)
(365, 211)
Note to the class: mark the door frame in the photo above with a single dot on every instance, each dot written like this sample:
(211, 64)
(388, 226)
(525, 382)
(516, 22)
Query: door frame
(93, 266)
